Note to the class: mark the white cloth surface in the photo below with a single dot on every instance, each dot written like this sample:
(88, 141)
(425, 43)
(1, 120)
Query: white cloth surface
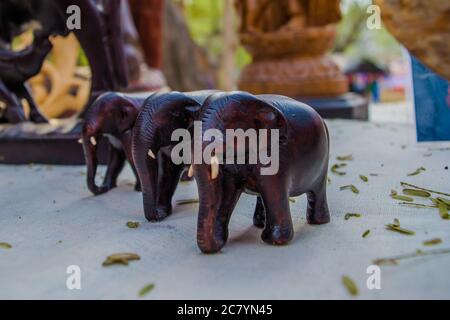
(40, 205)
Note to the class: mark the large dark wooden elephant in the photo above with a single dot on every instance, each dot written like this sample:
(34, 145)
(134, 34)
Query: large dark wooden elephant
(302, 145)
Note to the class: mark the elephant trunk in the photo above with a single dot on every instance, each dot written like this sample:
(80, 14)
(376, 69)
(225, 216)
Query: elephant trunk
(212, 231)
(90, 154)
(146, 163)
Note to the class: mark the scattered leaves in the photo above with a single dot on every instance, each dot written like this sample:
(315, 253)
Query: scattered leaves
(187, 201)
(363, 178)
(350, 187)
(366, 233)
(133, 224)
(432, 242)
(120, 258)
(352, 215)
(417, 193)
(338, 166)
(418, 171)
(345, 158)
(146, 290)
(350, 285)
(5, 245)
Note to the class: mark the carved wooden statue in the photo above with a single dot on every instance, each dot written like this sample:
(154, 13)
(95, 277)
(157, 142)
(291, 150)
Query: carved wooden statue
(288, 40)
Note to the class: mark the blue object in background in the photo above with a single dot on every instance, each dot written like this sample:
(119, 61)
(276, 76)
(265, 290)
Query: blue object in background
(432, 103)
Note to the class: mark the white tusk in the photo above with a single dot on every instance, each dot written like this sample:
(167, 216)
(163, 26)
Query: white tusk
(93, 141)
(80, 141)
(191, 171)
(151, 154)
(214, 167)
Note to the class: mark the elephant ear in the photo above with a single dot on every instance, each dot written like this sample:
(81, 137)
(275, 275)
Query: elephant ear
(193, 111)
(269, 117)
(126, 115)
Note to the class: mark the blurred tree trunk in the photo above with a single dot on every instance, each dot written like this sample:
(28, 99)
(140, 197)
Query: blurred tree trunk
(227, 79)
(186, 65)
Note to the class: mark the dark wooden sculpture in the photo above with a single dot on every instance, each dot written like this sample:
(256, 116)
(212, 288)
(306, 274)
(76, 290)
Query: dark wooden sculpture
(15, 69)
(160, 116)
(103, 48)
(100, 37)
(303, 165)
(112, 116)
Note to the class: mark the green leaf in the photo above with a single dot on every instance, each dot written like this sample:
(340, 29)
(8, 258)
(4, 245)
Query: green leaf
(417, 253)
(345, 158)
(133, 224)
(397, 228)
(120, 258)
(363, 178)
(146, 290)
(443, 210)
(5, 245)
(396, 196)
(445, 201)
(366, 233)
(187, 201)
(417, 205)
(404, 184)
(350, 187)
(418, 171)
(432, 242)
(292, 200)
(350, 285)
(338, 166)
(417, 193)
(352, 215)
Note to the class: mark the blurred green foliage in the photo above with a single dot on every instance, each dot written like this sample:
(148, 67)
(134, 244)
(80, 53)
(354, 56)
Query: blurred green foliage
(204, 18)
(355, 40)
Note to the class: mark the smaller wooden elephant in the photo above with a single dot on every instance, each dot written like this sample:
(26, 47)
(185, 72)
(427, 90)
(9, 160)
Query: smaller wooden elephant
(298, 164)
(112, 116)
(152, 146)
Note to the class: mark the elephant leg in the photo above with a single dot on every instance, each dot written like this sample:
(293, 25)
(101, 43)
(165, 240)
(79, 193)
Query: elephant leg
(318, 212)
(35, 115)
(116, 162)
(212, 227)
(168, 178)
(259, 217)
(278, 229)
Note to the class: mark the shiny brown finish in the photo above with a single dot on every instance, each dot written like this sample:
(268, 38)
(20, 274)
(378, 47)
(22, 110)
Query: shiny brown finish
(112, 116)
(304, 153)
(161, 115)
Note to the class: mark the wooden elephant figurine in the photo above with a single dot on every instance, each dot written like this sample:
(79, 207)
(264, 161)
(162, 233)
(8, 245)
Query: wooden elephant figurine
(111, 115)
(152, 146)
(302, 145)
